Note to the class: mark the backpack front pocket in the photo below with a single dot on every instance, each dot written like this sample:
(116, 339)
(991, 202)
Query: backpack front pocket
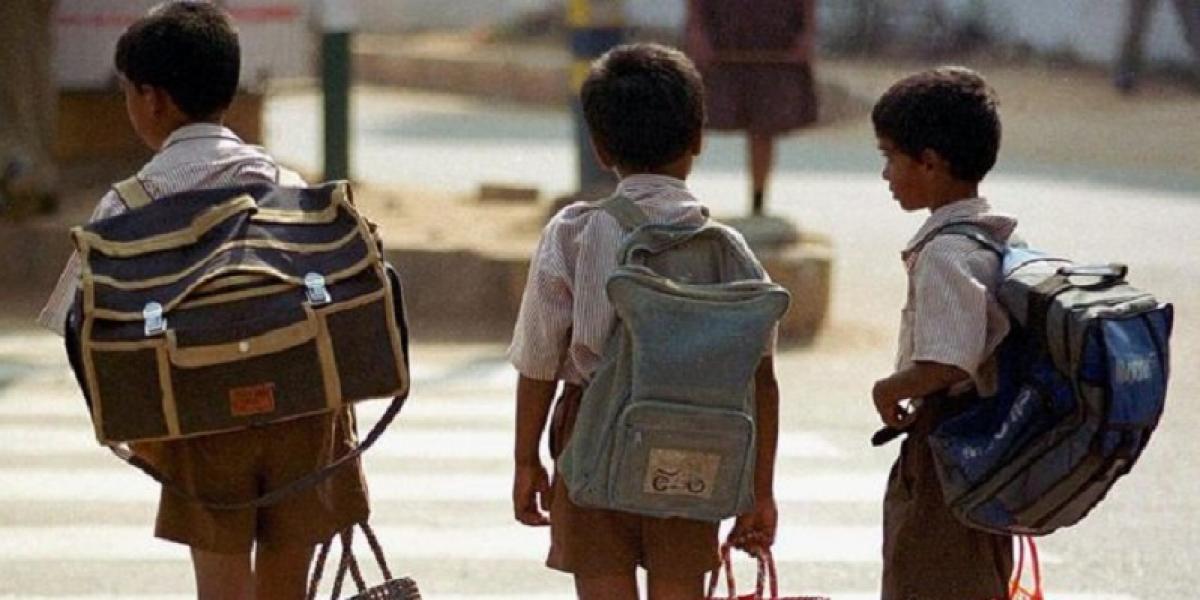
(674, 460)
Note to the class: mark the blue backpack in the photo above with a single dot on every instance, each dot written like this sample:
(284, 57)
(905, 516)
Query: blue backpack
(1082, 383)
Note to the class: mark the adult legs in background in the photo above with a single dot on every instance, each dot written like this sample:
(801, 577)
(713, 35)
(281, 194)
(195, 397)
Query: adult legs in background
(762, 160)
(1189, 18)
(1129, 63)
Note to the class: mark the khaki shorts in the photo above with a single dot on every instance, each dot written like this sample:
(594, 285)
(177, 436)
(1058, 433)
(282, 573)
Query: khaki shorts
(591, 543)
(927, 553)
(241, 465)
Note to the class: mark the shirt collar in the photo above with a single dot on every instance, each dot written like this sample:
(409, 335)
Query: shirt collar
(958, 211)
(199, 130)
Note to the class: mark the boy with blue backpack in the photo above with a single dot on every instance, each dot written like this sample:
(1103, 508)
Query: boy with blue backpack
(608, 311)
(939, 133)
(1035, 384)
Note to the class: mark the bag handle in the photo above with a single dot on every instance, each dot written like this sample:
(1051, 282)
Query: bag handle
(348, 563)
(766, 573)
(1015, 587)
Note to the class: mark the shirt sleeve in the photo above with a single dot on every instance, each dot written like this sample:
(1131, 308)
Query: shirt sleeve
(542, 332)
(950, 309)
(54, 313)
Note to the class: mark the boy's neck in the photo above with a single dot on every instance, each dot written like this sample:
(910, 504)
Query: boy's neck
(679, 169)
(954, 192)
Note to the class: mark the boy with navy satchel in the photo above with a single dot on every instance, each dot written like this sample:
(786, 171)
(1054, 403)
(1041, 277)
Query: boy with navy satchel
(221, 320)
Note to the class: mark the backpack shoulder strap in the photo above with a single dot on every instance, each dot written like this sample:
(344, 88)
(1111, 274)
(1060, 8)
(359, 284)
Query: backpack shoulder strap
(973, 231)
(132, 193)
(621, 208)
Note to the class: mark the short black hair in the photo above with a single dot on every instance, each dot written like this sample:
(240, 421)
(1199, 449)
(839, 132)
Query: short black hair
(190, 50)
(950, 110)
(644, 104)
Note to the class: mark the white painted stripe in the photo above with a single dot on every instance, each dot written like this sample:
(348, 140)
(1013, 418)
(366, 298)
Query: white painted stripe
(507, 542)
(124, 484)
(402, 442)
(824, 544)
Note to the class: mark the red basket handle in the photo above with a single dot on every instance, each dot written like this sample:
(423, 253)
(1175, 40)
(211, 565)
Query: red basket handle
(1014, 587)
(766, 572)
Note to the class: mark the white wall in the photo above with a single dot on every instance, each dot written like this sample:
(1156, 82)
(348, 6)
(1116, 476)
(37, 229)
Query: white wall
(1091, 28)
(275, 35)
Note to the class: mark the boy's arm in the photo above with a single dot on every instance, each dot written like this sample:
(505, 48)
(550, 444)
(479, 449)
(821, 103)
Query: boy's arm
(757, 528)
(920, 380)
(53, 315)
(530, 480)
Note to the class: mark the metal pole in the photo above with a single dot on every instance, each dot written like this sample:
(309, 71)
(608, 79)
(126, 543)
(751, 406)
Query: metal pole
(596, 26)
(337, 25)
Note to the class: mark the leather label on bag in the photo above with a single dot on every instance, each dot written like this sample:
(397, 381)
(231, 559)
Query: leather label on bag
(252, 400)
(673, 472)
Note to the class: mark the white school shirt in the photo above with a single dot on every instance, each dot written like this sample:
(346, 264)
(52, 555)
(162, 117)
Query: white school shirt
(565, 316)
(196, 156)
(951, 315)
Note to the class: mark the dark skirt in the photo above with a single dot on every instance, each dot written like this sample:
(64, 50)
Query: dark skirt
(766, 99)
(753, 84)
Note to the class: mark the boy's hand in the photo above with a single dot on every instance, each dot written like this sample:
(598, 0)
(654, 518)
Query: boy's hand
(754, 531)
(531, 486)
(889, 405)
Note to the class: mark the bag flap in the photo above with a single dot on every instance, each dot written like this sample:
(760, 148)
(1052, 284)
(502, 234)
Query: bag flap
(257, 235)
(696, 342)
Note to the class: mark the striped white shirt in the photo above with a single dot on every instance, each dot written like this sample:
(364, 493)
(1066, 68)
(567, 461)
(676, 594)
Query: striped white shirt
(196, 156)
(565, 317)
(952, 316)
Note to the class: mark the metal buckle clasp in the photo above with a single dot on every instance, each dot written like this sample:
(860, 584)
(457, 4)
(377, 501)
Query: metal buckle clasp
(318, 294)
(152, 314)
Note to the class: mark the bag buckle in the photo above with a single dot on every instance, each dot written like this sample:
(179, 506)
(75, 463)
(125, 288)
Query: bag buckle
(318, 294)
(152, 314)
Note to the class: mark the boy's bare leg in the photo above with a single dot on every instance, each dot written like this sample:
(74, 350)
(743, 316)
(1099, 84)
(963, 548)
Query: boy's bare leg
(608, 587)
(222, 576)
(664, 588)
(281, 572)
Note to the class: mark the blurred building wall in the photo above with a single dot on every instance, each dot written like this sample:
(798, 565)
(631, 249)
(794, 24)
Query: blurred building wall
(276, 37)
(1091, 29)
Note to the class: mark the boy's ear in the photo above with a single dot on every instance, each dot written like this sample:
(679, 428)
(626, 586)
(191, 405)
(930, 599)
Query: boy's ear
(698, 143)
(931, 160)
(603, 156)
(162, 103)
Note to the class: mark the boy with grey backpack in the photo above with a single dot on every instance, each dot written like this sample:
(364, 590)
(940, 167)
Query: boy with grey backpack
(660, 324)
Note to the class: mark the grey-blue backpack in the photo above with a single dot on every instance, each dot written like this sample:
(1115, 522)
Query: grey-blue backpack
(1082, 384)
(666, 425)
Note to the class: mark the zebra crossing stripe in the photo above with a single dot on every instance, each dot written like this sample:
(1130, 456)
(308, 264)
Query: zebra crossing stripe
(124, 484)
(403, 442)
(836, 544)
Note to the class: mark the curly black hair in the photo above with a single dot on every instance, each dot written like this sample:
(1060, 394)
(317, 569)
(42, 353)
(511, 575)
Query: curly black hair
(189, 49)
(644, 104)
(950, 110)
